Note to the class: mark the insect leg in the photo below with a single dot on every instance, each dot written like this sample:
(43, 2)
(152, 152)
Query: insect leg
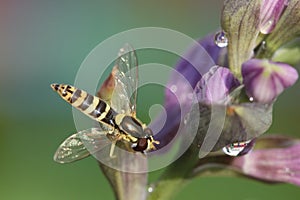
(112, 149)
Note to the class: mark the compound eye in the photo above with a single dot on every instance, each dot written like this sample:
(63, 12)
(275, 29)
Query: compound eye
(148, 131)
(141, 145)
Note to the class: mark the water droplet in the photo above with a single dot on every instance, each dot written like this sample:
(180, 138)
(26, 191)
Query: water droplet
(251, 99)
(173, 88)
(185, 119)
(270, 22)
(151, 188)
(263, 45)
(190, 96)
(221, 39)
(287, 171)
(235, 149)
(267, 27)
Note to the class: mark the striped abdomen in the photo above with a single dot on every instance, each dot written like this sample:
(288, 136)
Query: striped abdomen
(90, 105)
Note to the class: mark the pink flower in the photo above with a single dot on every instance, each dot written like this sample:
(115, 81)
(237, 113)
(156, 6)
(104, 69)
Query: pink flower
(270, 13)
(277, 163)
(264, 80)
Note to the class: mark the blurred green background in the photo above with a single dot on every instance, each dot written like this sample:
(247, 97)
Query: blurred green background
(46, 41)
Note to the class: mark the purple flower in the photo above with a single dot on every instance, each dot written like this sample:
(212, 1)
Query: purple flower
(278, 163)
(270, 13)
(228, 120)
(265, 80)
(287, 27)
(189, 70)
(216, 85)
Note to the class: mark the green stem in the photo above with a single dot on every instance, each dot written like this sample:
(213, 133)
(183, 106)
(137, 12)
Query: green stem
(126, 185)
(167, 189)
(175, 176)
(126, 180)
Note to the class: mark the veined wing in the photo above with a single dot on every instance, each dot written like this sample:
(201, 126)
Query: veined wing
(74, 147)
(126, 82)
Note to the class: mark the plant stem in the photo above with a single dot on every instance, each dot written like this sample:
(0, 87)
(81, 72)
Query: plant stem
(175, 177)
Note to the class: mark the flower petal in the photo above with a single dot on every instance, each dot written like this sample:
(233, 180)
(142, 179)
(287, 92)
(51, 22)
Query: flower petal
(265, 80)
(221, 125)
(287, 29)
(273, 164)
(271, 11)
(197, 61)
(215, 86)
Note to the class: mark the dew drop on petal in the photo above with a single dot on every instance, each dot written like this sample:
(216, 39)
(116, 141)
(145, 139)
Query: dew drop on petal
(235, 149)
(190, 96)
(221, 39)
(286, 171)
(251, 99)
(185, 120)
(267, 27)
(173, 88)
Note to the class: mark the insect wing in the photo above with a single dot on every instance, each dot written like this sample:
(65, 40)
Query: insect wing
(81, 145)
(126, 82)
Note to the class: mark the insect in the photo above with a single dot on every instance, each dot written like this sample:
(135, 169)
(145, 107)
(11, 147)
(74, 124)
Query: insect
(116, 115)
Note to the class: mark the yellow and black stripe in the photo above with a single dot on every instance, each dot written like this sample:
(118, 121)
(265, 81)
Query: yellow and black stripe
(130, 128)
(90, 105)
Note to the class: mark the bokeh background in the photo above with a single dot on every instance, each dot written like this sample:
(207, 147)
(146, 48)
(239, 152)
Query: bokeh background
(46, 41)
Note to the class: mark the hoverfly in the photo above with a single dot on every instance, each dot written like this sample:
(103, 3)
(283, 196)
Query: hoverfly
(116, 114)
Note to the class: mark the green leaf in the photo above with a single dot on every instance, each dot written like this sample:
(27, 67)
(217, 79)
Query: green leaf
(228, 124)
(240, 21)
(289, 53)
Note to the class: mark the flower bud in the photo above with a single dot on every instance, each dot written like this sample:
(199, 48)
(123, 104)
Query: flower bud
(270, 13)
(264, 80)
